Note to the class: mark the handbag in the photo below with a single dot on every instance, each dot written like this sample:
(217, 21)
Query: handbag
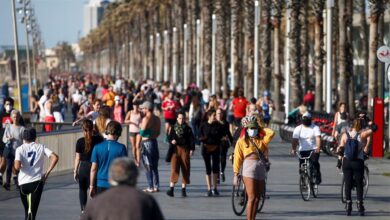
(170, 152)
(262, 157)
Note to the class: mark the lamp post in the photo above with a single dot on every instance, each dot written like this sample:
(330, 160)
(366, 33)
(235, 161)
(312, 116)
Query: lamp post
(198, 52)
(174, 60)
(330, 5)
(287, 66)
(185, 77)
(256, 51)
(157, 60)
(166, 41)
(16, 47)
(214, 31)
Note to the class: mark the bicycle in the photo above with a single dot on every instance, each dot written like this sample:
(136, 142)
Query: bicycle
(366, 182)
(307, 184)
(240, 197)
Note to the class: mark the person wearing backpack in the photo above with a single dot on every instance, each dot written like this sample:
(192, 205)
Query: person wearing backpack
(352, 148)
(308, 137)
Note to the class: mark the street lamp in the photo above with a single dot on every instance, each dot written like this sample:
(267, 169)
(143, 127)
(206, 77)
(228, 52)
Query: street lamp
(256, 51)
(16, 56)
(214, 32)
(330, 5)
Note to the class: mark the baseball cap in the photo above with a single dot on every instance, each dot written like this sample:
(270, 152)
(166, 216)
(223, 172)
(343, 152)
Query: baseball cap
(147, 105)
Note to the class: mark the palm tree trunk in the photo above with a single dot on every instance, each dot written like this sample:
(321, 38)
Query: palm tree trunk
(318, 7)
(304, 60)
(235, 38)
(381, 66)
(363, 35)
(207, 31)
(265, 51)
(350, 75)
(335, 50)
(342, 61)
(221, 58)
(249, 45)
(295, 54)
(277, 6)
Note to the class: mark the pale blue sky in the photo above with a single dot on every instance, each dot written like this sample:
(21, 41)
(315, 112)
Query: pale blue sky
(59, 20)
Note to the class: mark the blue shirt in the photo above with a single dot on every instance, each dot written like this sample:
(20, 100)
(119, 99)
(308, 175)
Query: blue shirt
(103, 154)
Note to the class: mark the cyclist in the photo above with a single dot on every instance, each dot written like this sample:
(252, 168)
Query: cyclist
(353, 166)
(308, 137)
(251, 152)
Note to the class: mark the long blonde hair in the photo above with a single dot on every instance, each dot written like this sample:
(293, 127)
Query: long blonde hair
(104, 114)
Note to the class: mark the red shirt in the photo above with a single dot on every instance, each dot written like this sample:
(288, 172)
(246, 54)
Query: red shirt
(170, 113)
(239, 107)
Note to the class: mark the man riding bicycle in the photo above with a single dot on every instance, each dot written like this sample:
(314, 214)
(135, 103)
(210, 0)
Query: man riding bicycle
(308, 137)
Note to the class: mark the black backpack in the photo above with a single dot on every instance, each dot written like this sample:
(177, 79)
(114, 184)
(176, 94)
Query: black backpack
(352, 149)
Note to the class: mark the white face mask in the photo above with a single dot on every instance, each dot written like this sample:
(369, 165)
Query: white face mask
(7, 108)
(252, 132)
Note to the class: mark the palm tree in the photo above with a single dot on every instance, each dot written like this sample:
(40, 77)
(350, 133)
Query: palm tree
(318, 8)
(304, 38)
(277, 6)
(265, 50)
(235, 38)
(207, 31)
(376, 10)
(342, 58)
(221, 58)
(249, 44)
(295, 54)
(349, 49)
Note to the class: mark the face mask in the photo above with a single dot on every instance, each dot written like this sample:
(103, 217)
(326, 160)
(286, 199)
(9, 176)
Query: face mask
(306, 121)
(252, 132)
(7, 108)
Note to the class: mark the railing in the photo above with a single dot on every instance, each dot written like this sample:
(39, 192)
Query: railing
(63, 143)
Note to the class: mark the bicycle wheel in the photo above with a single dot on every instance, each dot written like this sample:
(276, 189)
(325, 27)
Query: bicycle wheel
(304, 186)
(239, 198)
(366, 181)
(343, 199)
(262, 200)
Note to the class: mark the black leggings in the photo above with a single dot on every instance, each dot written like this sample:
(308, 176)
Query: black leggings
(30, 194)
(84, 171)
(224, 149)
(353, 170)
(211, 156)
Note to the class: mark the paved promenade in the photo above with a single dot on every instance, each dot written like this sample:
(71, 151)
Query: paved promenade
(60, 198)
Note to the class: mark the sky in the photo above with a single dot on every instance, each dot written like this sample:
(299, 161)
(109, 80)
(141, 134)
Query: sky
(59, 20)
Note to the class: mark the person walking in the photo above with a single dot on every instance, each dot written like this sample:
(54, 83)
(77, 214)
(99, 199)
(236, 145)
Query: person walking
(169, 106)
(210, 136)
(130, 203)
(252, 154)
(226, 140)
(239, 105)
(82, 162)
(149, 131)
(118, 110)
(352, 147)
(102, 156)
(133, 118)
(29, 160)
(5, 117)
(13, 138)
(182, 140)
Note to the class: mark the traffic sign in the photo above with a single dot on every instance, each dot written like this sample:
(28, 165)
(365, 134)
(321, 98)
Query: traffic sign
(383, 54)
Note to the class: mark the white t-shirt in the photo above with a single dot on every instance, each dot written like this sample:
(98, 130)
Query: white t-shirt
(206, 95)
(76, 98)
(31, 157)
(307, 136)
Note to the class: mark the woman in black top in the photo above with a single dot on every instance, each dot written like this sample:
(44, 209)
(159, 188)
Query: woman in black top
(226, 140)
(210, 136)
(182, 139)
(82, 162)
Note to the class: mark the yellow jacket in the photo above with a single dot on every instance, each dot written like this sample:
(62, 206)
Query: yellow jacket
(244, 148)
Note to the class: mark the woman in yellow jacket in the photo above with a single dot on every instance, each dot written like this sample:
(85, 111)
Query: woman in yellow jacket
(251, 152)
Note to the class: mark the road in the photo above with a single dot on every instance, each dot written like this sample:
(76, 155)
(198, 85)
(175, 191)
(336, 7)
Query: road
(60, 198)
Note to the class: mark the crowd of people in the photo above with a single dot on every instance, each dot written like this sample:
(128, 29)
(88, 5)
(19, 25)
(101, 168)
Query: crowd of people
(191, 116)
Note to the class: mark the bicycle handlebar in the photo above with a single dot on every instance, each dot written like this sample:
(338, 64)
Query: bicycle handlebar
(305, 158)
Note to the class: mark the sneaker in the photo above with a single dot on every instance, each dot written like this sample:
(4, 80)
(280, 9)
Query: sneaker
(156, 189)
(209, 193)
(183, 192)
(1, 180)
(338, 164)
(170, 193)
(7, 186)
(223, 177)
(149, 190)
(215, 192)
